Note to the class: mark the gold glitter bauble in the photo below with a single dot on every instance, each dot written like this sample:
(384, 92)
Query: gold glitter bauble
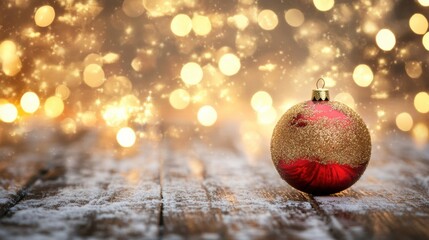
(320, 147)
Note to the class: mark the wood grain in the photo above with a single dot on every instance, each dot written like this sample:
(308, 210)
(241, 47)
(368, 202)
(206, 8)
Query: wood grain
(92, 193)
(23, 161)
(391, 200)
(186, 206)
(200, 184)
(212, 190)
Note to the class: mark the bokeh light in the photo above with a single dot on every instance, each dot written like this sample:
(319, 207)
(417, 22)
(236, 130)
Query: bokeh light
(44, 16)
(424, 3)
(413, 69)
(30, 102)
(329, 82)
(159, 8)
(362, 75)
(54, 107)
(88, 118)
(93, 75)
(11, 65)
(267, 19)
(421, 102)
(267, 117)
(261, 101)
(323, 5)
(346, 98)
(229, 64)
(8, 112)
(126, 137)
(115, 115)
(404, 121)
(179, 98)
(294, 17)
(7, 48)
(207, 115)
(239, 21)
(108, 64)
(133, 8)
(68, 126)
(62, 91)
(191, 73)
(425, 41)
(421, 133)
(418, 24)
(201, 25)
(385, 39)
(181, 25)
(93, 58)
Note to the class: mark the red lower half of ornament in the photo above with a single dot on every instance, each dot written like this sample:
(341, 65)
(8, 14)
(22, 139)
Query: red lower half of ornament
(311, 176)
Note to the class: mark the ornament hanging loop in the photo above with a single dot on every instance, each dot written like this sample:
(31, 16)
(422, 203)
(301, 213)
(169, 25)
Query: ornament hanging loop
(320, 80)
(320, 93)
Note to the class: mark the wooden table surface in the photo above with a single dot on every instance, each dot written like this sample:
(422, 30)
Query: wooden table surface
(204, 185)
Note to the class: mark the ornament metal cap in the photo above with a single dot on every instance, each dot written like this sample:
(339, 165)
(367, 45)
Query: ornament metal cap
(320, 93)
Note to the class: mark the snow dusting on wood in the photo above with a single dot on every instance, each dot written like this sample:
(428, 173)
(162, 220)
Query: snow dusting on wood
(185, 187)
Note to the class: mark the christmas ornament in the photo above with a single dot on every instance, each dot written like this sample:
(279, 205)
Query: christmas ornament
(320, 146)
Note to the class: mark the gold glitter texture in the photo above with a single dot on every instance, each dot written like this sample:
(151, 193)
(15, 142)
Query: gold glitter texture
(301, 134)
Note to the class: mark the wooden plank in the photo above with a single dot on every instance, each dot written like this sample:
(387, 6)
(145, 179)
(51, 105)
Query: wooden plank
(208, 187)
(186, 206)
(23, 160)
(391, 200)
(211, 190)
(92, 193)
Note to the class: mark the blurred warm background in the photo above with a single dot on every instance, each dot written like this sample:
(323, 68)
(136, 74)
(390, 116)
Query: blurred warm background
(120, 66)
